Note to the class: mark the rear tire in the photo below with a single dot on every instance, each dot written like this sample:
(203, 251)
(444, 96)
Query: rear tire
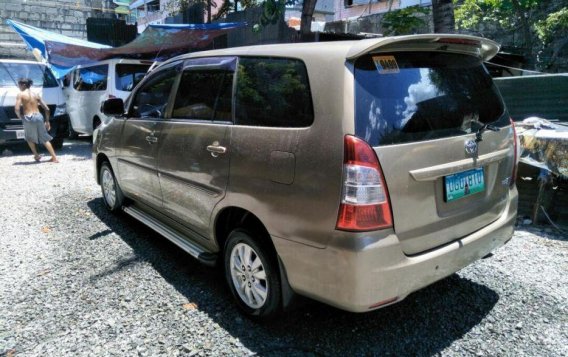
(252, 274)
(112, 194)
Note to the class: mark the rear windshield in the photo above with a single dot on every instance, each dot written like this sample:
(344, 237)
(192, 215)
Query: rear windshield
(416, 96)
(10, 73)
(128, 75)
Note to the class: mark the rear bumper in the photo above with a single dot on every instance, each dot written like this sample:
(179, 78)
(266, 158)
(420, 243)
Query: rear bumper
(59, 130)
(357, 277)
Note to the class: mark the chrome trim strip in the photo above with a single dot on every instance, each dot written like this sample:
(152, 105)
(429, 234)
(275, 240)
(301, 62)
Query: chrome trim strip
(434, 172)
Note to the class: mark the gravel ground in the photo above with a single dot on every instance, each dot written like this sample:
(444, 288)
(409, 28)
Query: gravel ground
(76, 280)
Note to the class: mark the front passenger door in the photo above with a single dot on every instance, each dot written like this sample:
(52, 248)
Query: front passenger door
(141, 138)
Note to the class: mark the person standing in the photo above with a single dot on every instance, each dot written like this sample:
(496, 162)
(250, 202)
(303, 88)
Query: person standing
(35, 126)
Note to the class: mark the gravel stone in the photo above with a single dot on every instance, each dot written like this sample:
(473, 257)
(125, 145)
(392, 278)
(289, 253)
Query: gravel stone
(76, 280)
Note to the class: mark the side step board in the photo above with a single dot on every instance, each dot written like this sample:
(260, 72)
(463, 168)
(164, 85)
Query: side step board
(191, 248)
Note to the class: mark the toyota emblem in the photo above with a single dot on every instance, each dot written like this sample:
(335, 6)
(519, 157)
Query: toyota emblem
(470, 148)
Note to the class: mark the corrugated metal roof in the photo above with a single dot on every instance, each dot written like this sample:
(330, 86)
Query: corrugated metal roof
(544, 96)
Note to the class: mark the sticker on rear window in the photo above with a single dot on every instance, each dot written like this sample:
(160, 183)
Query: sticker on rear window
(386, 64)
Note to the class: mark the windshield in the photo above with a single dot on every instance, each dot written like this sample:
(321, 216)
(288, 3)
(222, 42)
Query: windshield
(10, 73)
(415, 96)
(129, 75)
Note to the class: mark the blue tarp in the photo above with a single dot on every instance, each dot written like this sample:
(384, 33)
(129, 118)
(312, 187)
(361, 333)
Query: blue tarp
(37, 38)
(157, 42)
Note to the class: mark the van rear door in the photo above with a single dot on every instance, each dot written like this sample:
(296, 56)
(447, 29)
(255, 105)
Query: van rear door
(422, 111)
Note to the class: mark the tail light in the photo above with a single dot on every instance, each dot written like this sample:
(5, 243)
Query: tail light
(516, 153)
(365, 203)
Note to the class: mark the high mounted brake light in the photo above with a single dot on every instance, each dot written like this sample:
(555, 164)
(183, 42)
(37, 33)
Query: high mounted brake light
(459, 41)
(365, 203)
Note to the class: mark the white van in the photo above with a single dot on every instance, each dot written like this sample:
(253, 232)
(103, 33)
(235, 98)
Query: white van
(45, 84)
(87, 86)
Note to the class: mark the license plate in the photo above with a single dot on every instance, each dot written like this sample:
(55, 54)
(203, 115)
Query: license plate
(19, 134)
(464, 184)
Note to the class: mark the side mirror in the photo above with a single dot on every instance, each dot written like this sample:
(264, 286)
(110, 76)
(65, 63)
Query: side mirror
(113, 107)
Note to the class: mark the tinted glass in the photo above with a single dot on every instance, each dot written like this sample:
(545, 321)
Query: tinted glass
(151, 100)
(91, 78)
(405, 97)
(10, 73)
(273, 92)
(204, 94)
(129, 75)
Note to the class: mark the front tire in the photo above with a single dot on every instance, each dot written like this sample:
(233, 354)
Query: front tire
(112, 194)
(252, 275)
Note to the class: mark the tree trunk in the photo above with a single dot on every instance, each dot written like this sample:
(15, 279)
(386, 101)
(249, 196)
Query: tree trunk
(443, 16)
(307, 15)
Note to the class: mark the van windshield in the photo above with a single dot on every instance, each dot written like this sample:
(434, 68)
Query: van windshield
(416, 96)
(129, 75)
(10, 73)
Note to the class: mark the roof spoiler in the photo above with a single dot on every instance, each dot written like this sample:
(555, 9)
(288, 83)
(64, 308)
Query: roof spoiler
(471, 45)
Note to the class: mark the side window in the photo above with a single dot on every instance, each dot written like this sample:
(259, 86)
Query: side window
(91, 78)
(151, 100)
(205, 95)
(273, 92)
(129, 75)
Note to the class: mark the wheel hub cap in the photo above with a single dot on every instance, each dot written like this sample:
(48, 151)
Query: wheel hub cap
(109, 190)
(248, 275)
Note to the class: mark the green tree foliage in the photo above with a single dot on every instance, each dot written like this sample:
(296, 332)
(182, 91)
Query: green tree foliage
(508, 14)
(404, 21)
(539, 27)
(555, 24)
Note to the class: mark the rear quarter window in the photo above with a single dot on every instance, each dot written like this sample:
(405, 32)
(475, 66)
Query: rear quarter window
(273, 92)
(416, 96)
(129, 75)
(91, 78)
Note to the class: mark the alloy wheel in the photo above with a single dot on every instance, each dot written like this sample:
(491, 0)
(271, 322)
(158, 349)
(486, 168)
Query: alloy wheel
(248, 275)
(109, 188)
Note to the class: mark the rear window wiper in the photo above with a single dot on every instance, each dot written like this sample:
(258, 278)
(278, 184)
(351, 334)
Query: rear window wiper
(483, 128)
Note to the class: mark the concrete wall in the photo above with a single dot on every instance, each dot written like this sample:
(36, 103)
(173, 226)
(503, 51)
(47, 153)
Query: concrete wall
(67, 17)
(372, 24)
(343, 12)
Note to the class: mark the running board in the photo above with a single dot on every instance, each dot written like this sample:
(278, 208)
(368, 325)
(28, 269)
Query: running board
(191, 248)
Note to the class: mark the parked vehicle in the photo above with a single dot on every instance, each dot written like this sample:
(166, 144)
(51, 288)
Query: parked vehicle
(353, 173)
(45, 84)
(88, 86)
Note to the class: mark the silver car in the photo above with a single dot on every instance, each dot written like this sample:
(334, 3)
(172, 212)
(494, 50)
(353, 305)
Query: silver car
(354, 173)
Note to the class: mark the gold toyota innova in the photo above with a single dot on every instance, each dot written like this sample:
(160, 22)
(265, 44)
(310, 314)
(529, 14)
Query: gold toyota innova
(352, 172)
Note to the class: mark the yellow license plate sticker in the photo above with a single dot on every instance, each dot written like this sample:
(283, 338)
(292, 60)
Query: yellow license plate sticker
(386, 64)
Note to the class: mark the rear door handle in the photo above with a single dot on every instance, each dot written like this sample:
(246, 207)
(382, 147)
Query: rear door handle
(215, 149)
(151, 139)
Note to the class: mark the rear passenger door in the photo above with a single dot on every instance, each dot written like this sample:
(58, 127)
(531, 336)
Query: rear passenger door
(194, 155)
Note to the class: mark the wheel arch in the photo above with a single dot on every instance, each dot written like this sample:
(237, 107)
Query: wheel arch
(232, 217)
(100, 159)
